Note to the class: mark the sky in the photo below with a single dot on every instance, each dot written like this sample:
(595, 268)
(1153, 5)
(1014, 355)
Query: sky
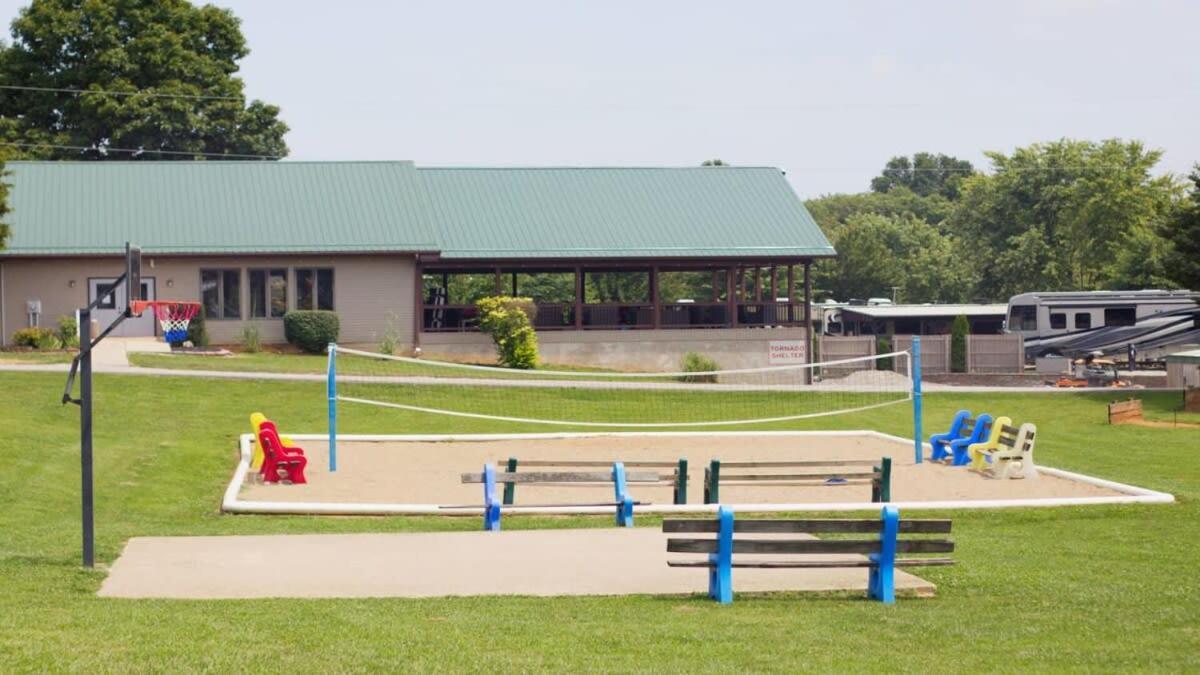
(827, 91)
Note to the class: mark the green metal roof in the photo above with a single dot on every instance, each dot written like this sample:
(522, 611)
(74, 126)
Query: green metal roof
(619, 212)
(71, 208)
(217, 207)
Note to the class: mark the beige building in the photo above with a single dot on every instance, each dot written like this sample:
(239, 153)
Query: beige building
(628, 267)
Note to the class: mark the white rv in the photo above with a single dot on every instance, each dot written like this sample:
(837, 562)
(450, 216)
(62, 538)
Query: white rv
(1107, 321)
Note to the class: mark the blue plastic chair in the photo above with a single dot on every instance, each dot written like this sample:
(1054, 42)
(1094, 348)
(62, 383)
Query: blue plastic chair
(941, 441)
(979, 434)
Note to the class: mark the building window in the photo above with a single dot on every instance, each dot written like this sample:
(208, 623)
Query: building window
(268, 293)
(1083, 320)
(1022, 317)
(1120, 316)
(1058, 320)
(221, 293)
(314, 288)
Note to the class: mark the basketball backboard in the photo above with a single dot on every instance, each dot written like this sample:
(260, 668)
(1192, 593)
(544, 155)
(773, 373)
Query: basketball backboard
(133, 273)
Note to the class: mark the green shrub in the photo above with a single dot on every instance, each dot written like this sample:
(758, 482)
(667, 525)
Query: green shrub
(390, 342)
(695, 362)
(958, 344)
(68, 331)
(48, 340)
(197, 332)
(250, 339)
(883, 345)
(34, 337)
(311, 329)
(509, 322)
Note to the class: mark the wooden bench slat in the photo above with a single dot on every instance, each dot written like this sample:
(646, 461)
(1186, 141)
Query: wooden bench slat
(820, 564)
(813, 526)
(761, 546)
(563, 477)
(752, 464)
(726, 477)
(592, 462)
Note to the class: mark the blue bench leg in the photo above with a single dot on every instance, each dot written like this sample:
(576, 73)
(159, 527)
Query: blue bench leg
(881, 582)
(624, 501)
(720, 574)
(491, 506)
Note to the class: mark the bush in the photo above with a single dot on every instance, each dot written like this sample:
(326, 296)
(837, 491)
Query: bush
(197, 332)
(390, 342)
(509, 322)
(48, 341)
(34, 337)
(958, 344)
(311, 329)
(694, 362)
(68, 331)
(883, 345)
(250, 339)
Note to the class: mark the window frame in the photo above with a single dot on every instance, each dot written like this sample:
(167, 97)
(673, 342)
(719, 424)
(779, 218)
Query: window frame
(316, 287)
(268, 273)
(1087, 323)
(1058, 320)
(1110, 311)
(221, 273)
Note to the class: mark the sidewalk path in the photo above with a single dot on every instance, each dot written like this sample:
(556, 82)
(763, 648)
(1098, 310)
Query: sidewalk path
(927, 387)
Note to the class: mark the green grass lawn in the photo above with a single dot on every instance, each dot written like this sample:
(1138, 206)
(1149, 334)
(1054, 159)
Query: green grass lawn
(1082, 589)
(36, 357)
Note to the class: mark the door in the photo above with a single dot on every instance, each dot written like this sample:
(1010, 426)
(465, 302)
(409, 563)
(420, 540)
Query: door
(114, 303)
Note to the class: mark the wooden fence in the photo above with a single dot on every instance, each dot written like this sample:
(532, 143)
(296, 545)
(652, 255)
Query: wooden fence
(935, 353)
(995, 353)
(849, 347)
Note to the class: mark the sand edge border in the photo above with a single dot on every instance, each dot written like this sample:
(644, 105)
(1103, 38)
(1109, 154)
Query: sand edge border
(231, 503)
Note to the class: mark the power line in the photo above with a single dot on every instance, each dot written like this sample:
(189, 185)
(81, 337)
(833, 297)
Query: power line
(231, 155)
(110, 92)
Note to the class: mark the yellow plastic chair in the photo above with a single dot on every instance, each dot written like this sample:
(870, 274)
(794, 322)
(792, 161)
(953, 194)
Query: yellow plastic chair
(256, 459)
(978, 452)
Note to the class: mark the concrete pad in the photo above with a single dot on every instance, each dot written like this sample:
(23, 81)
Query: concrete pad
(527, 562)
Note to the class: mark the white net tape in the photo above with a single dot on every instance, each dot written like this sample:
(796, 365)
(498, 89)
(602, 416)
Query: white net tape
(622, 400)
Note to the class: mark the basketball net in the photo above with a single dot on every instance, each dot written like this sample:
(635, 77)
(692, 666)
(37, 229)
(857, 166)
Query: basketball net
(174, 316)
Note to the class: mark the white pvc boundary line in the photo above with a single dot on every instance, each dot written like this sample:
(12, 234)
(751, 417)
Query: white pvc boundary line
(232, 504)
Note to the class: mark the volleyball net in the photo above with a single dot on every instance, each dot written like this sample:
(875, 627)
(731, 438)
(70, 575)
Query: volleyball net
(483, 398)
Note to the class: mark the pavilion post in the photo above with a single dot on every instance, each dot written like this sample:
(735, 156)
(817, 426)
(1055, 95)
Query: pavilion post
(578, 297)
(654, 299)
(730, 298)
(808, 341)
(791, 294)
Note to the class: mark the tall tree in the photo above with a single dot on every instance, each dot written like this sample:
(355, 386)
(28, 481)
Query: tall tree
(1061, 215)
(925, 174)
(155, 75)
(1183, 231)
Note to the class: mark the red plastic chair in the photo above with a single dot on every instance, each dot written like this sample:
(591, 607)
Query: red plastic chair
(276, 457)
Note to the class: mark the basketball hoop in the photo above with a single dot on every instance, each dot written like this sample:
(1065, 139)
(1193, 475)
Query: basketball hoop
(173, 315)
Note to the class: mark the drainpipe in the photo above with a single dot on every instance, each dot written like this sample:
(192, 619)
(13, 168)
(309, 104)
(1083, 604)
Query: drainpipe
(419, 309)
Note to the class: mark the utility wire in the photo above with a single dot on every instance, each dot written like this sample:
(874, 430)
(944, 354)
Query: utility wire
(110, 92)
(185, 153)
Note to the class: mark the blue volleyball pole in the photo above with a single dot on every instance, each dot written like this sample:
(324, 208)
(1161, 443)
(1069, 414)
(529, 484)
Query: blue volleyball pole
(331, 391)
(915, 364)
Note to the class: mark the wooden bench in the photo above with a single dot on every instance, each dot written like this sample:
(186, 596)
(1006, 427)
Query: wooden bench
(815, 472)
(617, 476)
(880, 551)
(1005, 447)
(1124, 412)
(677, 479)
(964, 432)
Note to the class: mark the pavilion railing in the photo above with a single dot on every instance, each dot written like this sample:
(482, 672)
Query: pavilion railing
(637, 315)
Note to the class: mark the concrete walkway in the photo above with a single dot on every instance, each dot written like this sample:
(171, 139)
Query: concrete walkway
(411, 565)
(127, 369)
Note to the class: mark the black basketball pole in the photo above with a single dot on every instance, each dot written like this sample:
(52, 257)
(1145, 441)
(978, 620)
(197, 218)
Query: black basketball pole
(85, 437)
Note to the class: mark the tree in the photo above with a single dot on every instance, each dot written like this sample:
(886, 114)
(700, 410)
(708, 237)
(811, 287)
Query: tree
(958, 344)
(925, 174)
(1061, 215)
(136, 62)
(714, 162)
(877, 252)
(1183, 231)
